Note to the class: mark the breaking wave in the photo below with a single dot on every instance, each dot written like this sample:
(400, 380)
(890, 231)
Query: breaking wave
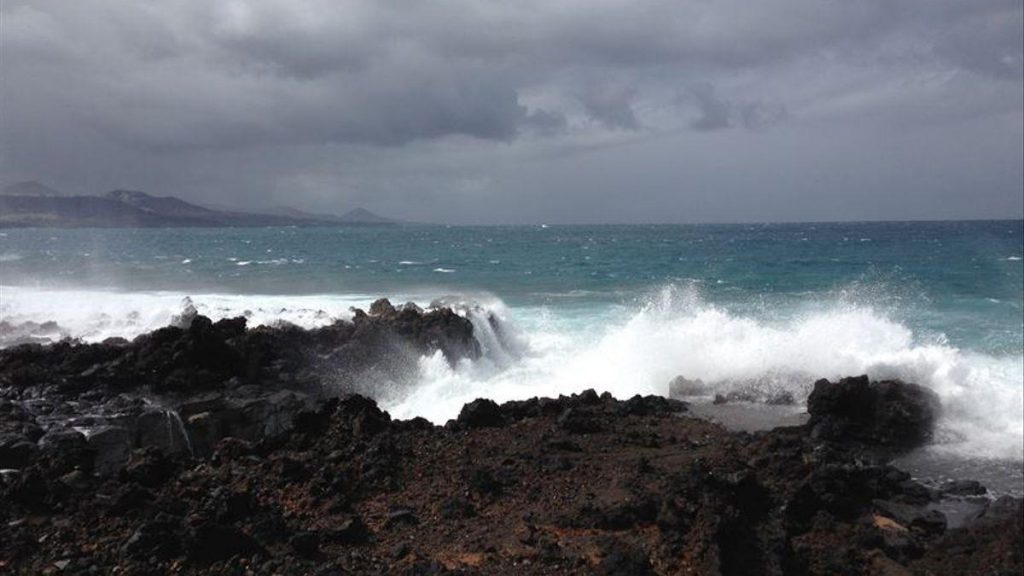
(93, 315)
(677, 333)
(542, 351)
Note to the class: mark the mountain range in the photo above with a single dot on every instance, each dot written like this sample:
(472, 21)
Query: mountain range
(31, 204)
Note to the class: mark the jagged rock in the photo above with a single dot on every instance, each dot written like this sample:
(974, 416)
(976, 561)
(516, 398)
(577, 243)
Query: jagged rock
(112, 445)
(887, 414)
(381, 307)
(66, 448)
(161, 428)
(681, 386)
(915, 517)
(480, 413)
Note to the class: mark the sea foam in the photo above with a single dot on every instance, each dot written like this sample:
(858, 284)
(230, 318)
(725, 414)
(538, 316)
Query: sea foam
(94, 315)
(540, 351)
(678, 333)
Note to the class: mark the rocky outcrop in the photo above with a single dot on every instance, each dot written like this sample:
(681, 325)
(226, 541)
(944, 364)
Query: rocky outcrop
(642, 489)
(888, 415)
(184, 387)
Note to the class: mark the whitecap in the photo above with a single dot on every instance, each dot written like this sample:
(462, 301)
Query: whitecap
(678, 333)
(1013, 258)
(94, 315)
(444, 270)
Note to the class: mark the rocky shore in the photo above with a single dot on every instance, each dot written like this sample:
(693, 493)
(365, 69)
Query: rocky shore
(208, 447)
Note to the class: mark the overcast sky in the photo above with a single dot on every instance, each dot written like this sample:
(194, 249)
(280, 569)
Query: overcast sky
(505, 111)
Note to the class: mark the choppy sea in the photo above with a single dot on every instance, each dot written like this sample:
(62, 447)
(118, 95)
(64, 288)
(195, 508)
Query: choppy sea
(624, 309)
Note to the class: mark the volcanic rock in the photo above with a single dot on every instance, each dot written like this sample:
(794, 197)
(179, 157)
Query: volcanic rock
(888, 414)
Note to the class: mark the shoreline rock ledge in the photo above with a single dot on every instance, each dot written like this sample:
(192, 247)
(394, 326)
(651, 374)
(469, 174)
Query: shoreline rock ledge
(184, 387)
(584, 484)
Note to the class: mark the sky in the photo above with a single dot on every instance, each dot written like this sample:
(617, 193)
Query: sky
(525, 111)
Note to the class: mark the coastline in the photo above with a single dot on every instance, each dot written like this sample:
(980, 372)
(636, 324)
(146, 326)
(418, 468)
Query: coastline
(262, 468)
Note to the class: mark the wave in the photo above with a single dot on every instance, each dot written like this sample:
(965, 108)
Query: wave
(94, 315)
(677, 333)
(625, 350)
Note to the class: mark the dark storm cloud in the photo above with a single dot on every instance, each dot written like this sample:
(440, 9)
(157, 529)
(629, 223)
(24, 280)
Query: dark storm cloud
(453, 109)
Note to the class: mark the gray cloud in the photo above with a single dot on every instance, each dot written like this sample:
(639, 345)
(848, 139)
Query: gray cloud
(448, 109)
(715, 113)
(611, 106)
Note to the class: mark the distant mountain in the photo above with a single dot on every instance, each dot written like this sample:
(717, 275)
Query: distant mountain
(31, 204)
(162, 205)
(356, 216)
(29, 189)
(363, 216)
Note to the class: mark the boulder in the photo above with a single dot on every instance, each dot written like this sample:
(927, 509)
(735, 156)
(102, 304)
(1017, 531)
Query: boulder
(163, 429)
(480, 413)
(680, 386)
(112, 445)
(381, 307)
(889, 414)
(66, 448)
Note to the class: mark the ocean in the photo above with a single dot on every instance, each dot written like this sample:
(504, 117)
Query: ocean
(760, 308)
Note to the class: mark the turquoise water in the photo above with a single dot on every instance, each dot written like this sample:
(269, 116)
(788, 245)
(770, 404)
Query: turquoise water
(962, 280)
(618, 308)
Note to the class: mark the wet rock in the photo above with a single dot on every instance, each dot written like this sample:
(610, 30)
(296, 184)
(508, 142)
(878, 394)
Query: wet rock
(205, 431)
(161, 428)
(112, 445)
(887, 414)
(381, 307)
(480, 413)
(66, 448)
(650, 406)
(915, 517)
(964, 488)
(681, 387)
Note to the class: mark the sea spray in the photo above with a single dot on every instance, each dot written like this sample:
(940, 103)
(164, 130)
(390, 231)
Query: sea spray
(678, 333)
(176, 428)
(623, 348)
(94, 315)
